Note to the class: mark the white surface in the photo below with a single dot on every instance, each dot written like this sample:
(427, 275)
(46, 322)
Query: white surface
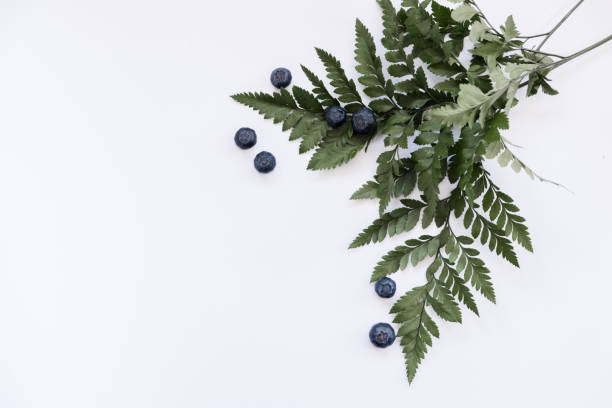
(144, 263)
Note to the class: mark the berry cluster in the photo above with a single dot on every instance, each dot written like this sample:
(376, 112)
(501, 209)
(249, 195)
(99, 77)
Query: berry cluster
(246, 138)
(382, 334)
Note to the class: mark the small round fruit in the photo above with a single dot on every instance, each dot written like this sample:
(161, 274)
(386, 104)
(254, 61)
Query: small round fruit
(382, 335)
(385, 287)
(335, 116)
(245, 138)
(265, 162)
(364, 121)
(281, 77)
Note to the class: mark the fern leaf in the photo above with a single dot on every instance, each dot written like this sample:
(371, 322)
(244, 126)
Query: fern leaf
(282, 108)
(413, 252)
(306, 100)
(336, 149)
(366, 192)
(320, 90)
(416, 327)
(369, 66)
(343, 87)
(465, 261)
(392, 223)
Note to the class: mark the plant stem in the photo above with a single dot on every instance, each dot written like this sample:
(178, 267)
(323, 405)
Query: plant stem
(559, 24)
(486, 19)
(579, 53)
(543, 53)
(527, 37)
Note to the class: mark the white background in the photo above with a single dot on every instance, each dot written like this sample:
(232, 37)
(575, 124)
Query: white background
(144, 263)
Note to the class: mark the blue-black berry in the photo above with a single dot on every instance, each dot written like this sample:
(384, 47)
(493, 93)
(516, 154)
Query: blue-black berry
(335, 116)
(382, 335)
(281, 77)
(265, 162)
(385, 287)
(245, 138)
(364, 121)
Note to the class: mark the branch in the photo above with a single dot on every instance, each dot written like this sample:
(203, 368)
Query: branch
(579, 53)
(486, 19)
(559, 24)
(543, 53)
(533, 36)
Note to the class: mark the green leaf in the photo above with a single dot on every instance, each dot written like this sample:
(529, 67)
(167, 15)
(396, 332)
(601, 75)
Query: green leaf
(420, 78)
(386, 184)
(515, 227)
(498, 241)
(464, 13)
(320, 90)
(470, 99)
(345, 88)
(479, 29)
(418, 22)
(391, 262)
(516, 70)
(460, 290)
(391, 24)
(441, 14)
(414, 251)
(416, 326)
(382, 105)
(488, 200)
(548, 90)
(337, 149)
(313, 136)
(392, 223)
(369, 66)
(405, 184)
(450, 85)
(444, 305)
(399, 70)
(306, 100)
(282, 108)
(480, 279)
(476, 273)
(366, 192)
(509, 29)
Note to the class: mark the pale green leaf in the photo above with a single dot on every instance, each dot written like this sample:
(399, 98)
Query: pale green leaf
(463, 13)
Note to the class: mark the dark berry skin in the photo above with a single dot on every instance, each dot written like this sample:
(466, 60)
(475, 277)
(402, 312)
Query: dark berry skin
(281, 77)
(335, 116)
(245, 138)
(265, 162)
(382, 335)
(364, 121)
(385, 287)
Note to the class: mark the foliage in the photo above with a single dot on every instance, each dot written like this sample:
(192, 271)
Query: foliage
(417, 117)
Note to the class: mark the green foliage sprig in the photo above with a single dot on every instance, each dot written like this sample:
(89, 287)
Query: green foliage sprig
(417, 118)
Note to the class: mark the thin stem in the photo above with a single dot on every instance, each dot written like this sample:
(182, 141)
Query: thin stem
(486, 19)
(555, 65)
(559, 24)
(543, 53)
(598, 44)
(527, 37)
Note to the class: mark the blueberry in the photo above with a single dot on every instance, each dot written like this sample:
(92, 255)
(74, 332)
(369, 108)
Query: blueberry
(281, 77)
(364, 121)
(245, 138)
(385, 287)
(265, 162)
(335, 116)
(382, 335)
